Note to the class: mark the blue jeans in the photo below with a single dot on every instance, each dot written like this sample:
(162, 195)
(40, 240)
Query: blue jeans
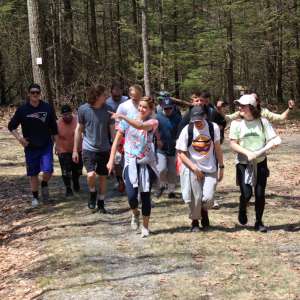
(132, 193)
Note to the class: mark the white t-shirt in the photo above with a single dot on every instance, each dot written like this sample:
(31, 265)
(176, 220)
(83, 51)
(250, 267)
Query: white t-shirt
(115, 104)
(128, 108)
(201, 151)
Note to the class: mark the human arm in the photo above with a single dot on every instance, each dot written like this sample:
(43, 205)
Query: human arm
(185, 159)
(239, 149)
(13, 128)
(77, 140)
(113, 151)
(278, 117)
(219, 155)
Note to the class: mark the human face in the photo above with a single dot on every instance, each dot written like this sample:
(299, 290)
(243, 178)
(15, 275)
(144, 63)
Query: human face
(245, 112)
(204, 101)
(34, 95)
(196, 100)
(100, 100)
(135, 95)
(144, 110)
(199, 124)
(116, 93)
(67, 117)
(168, 110)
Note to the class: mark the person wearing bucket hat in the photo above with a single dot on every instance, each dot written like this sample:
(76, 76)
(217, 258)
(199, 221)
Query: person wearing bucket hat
(200, 151)
(70, 170)
(168, 118)
(248, 137)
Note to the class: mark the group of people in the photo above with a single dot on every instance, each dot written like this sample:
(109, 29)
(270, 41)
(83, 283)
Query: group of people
(141, 142)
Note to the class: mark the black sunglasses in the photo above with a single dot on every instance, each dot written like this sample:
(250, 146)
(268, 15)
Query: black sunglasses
(35, 92)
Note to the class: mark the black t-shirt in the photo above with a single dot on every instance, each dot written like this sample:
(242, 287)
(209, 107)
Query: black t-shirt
(38, 123)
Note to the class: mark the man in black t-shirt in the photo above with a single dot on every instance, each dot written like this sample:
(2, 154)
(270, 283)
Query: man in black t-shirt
(38, 123)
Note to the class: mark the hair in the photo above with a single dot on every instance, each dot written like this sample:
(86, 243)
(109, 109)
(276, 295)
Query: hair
(255, 111)
(149, 101)
(94, 92)
(136, 87)
(205, 94)
(196, 92)
(34, 86)
(116, 84)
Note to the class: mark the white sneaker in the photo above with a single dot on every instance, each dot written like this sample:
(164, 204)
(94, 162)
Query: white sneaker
(34, 203)
(145, 232)
(216, 205)
(135, 221)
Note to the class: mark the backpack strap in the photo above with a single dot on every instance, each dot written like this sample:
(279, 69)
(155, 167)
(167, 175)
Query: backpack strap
(190, 134)
(212, 136)
(263, 129)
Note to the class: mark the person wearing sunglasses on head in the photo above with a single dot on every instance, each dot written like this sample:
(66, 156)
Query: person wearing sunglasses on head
(38, 123)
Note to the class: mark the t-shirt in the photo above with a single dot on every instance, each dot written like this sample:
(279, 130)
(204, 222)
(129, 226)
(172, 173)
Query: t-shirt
(115, 104)
(38, 123)
(201, 150)
(251, 135)
(138, 142)
(66, 131)
(96, 122)
(129, 109)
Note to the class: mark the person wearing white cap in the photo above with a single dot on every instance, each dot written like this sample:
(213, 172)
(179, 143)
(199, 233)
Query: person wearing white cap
(250, 137)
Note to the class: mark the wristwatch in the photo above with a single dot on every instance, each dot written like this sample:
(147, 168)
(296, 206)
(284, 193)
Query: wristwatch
(221, 166)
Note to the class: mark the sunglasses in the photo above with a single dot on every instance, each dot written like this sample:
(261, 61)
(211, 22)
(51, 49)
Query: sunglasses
(35, 92)
(168, 108)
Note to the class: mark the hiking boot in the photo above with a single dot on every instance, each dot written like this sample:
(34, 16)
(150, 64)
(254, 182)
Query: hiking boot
(216, 205)
(195, 226)
(101, 207)
(171, 195)
(121, 186)
(259, 226)
(34, 203)
(92, 200)
(145, 232)
(45, 193)
(135, 221)
(243, 219)
(69, 192)
(159, 192)
(204, 219)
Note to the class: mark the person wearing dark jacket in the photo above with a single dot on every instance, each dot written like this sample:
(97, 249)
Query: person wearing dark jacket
(169, 118)
(38, 123)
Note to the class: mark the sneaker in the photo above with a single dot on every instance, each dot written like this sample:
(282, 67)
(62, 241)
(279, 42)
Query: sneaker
(69, 192)
(121, 186)
(171, 195)
(145, 232)
(135, 221)
(34, 203)
(243, 219)
(216, 205)
(259, 226)
(204, 218)
(159, 192)
(195, 226)
(101, 207)
(45, 193)
(92, 200)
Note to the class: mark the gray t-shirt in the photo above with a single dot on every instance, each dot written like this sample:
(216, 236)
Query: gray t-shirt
(96, 122)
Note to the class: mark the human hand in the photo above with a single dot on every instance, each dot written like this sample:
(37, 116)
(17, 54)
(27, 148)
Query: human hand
(160, 144)
(220, 174)
(75, 157)
(291, 104)
(110, 166)
(251, 155)
(198, 173)
(116, 116)
(23, 142)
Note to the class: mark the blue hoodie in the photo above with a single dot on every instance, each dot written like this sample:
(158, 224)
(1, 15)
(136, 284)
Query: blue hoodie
(167, 128)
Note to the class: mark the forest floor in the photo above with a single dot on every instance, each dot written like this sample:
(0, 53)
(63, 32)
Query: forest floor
(64, 251)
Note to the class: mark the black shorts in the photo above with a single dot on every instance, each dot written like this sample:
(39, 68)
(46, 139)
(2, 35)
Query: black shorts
(68, 166)
(96, 161)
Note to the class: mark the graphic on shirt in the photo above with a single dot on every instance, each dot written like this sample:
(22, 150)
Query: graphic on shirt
(39, 115)
(201, 144)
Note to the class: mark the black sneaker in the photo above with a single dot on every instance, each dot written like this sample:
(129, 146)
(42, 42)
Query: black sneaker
(204, 219)
(172, 195)
(243, 219)
(195, 226)
(92, 200)
(76, 187)
(101, 207)
(159, 192)
(69, 192)
(259, 226)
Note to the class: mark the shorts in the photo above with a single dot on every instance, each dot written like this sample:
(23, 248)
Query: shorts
(68, 166)
(39, 160)
(96, 161)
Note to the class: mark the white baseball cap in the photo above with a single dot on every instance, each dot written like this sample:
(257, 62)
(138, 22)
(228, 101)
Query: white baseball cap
(247, 100)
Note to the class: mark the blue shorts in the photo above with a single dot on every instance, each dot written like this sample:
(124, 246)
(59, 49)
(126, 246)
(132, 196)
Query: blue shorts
(39, 160)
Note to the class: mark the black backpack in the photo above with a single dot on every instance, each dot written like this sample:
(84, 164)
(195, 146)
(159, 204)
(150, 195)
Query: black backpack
(211, 133)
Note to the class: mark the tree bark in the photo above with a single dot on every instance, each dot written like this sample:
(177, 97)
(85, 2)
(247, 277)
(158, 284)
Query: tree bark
(175, 40)
(40, 72)
(144, 7)
(162, 45)
(2, 81)
(93, 30)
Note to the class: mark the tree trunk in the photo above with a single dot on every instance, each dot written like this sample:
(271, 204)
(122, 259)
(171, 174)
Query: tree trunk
(119, 41)
(2, 81)
(144, 6)
(40, 71)
(93, 30)
(175, 40)
(162, 46)
(297, 44)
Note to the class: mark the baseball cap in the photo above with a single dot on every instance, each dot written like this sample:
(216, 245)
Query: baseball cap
(247, 100)
(167, 102)
(197, 113)
(65, 109)
(34, 87)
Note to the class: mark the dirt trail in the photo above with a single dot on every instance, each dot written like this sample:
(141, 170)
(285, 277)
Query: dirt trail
(74, 254)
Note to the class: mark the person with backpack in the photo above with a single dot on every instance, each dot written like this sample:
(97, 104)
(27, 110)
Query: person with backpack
(168, 118)
(39, 128)
(70, 170)
(140, 169)
(200, 151)
(248, 137)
